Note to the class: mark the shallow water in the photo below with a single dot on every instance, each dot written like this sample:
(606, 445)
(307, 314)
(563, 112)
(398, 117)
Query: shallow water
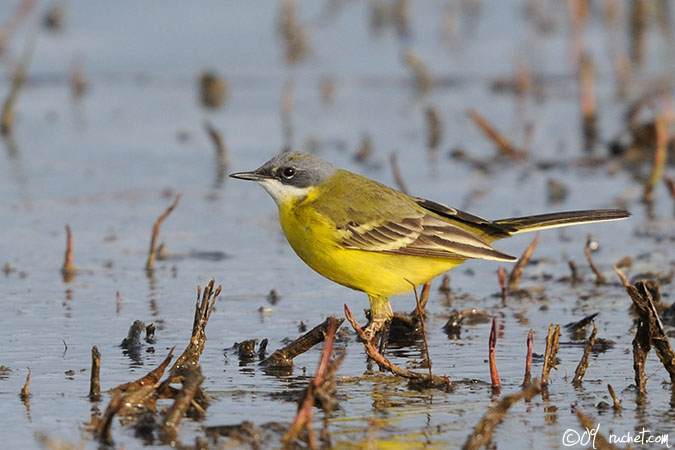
(110, 164)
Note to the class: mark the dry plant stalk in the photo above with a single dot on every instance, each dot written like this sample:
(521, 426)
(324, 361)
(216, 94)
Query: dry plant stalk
(583, 363)
(304, 417)
(502, 143)
(284, 356)
(420, 316)
(670, 184)
(203, 310)
(101, 430)
(599, 277)
(95, 381)
(68, 269)
(527, 379)
(191, 381)
(482, 433)
(21, 10)
(18, 79)
(661, 125)
(155, 231)
(552, 346)
(517, 271)
(600, 442)
(616, 402)
(424, 81)
(501, 278)
(649, 333)
(494, 375)
(398, 177)
(371, 351)
(434, 127)
(149, 379)
(296, 40)
(25, 390)
(587, 100)
(218, 144)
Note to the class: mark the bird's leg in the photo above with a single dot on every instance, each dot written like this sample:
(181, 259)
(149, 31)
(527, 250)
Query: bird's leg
(380, 312)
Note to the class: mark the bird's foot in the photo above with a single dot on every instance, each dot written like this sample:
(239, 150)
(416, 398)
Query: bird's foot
(376, 325)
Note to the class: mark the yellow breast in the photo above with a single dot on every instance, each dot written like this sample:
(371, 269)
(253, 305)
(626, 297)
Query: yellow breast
(313, 237)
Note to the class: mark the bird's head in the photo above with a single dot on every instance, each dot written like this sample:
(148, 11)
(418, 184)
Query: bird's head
(289, 176)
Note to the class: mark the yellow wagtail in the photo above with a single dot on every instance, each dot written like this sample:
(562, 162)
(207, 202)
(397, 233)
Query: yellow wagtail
(372, 238)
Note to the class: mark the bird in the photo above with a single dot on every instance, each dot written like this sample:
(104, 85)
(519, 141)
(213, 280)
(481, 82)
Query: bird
(372, 238)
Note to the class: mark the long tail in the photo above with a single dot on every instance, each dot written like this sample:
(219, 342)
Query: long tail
(562, 219)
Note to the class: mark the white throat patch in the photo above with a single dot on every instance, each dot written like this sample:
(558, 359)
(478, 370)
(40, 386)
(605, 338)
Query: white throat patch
(283, 193)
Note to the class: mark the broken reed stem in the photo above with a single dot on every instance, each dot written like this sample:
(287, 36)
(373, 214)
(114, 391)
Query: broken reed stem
(18, 79)
(501, 277)
(660, 156)
(68, 269)
(424, 81)
(398, 177)
(616, 402)
(284, 356)
(155, 231)
(304, 417)
(517, 271)
(434, 127)
(25, 390)
(371, 351)
(494, 375)
(203, 310)
(218, 143)
(527, 379)
(599, 277)
(420, 315)
(21, 10)
(649, 333)
(191, 382)
(551, 352)
(503, 145)
(482, 433)
(95, 381)
(599, 441)
(583, 363)
(587, 100)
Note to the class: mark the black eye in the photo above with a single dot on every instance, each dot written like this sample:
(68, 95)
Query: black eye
(288, 173)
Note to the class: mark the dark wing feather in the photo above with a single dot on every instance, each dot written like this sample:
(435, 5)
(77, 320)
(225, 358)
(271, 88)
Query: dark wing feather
(423, 235)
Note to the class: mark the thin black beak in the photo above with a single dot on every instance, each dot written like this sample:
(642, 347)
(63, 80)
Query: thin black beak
(252, 176)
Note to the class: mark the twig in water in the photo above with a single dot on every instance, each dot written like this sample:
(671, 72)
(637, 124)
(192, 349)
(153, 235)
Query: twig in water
(502, 143)
(304, 417)
(583, 364)
(221, 152)
(155, 231)
(371, 351)
(482, 433)
(284, 356)
(528, 359)
(517, 271)
(617, 403)
(191, 381)
(660, 156)
(494, 375)
(68, 268)
(424, 81)
(18, 79)
(398, 177)
(550, 355)
(95, 382)
(599, 277)
(501, 277)
(25, 390)
(649, 332)
(599, 441)
(420, 315)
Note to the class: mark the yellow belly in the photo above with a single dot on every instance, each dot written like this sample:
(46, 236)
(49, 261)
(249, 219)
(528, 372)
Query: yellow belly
(377, 274)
